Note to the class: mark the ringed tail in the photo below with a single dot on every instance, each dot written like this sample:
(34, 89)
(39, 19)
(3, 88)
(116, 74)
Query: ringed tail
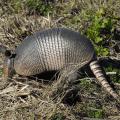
(98, 72)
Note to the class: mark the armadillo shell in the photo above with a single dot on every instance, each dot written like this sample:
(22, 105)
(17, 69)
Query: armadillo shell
(52, 49)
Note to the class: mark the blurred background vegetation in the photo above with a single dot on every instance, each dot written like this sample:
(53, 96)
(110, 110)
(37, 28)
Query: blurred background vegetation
(99, 20)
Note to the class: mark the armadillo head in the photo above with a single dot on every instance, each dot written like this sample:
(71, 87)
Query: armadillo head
(8, 67)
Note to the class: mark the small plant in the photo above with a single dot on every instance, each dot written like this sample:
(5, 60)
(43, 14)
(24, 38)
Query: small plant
(16, 5)
(1, 72)
(100, 30)
(115, 77)
(95, 113)
(38, 7)
(30, 7)
(58, 116)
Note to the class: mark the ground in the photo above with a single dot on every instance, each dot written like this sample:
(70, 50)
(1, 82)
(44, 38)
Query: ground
(25, 98)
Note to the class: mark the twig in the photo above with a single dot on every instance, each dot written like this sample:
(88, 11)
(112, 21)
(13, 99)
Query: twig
(111, 73)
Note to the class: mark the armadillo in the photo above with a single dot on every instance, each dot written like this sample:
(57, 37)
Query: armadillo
(53, 49)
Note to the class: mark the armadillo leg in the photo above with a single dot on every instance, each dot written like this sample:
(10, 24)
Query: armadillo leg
(98, 72)
(67, 75)
(5, 69)
(8, 70)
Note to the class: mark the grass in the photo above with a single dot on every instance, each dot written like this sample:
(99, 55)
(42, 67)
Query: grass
(24, 99)
(30, 7)
(1, 72)
(57, 116)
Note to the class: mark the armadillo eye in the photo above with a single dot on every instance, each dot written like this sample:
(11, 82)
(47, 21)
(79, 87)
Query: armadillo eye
(8, 53)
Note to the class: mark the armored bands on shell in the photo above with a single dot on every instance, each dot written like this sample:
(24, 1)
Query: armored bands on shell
(52, 49)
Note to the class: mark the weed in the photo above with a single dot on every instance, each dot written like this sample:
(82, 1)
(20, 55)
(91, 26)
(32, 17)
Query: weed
(39, 7)
(95, 113)
(57, 116)
(100, 30)
(115, 77)
(1, 72)
(28, 7)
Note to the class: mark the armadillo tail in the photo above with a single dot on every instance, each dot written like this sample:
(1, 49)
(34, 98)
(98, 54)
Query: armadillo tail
(98, 72)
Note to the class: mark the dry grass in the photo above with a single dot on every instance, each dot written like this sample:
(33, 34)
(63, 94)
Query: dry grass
(24, 99)
(29, 100)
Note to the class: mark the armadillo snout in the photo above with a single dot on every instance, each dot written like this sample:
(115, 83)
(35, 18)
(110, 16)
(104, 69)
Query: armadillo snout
(8, 69)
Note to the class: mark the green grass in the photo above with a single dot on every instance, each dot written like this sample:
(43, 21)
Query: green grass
(57, 116)
(100, 30)
(1, 72)
(30, 7)
(95, 113)
(39, 7)
(116, 77)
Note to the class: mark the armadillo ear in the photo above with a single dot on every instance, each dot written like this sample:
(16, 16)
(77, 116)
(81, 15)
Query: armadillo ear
(2, 49)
